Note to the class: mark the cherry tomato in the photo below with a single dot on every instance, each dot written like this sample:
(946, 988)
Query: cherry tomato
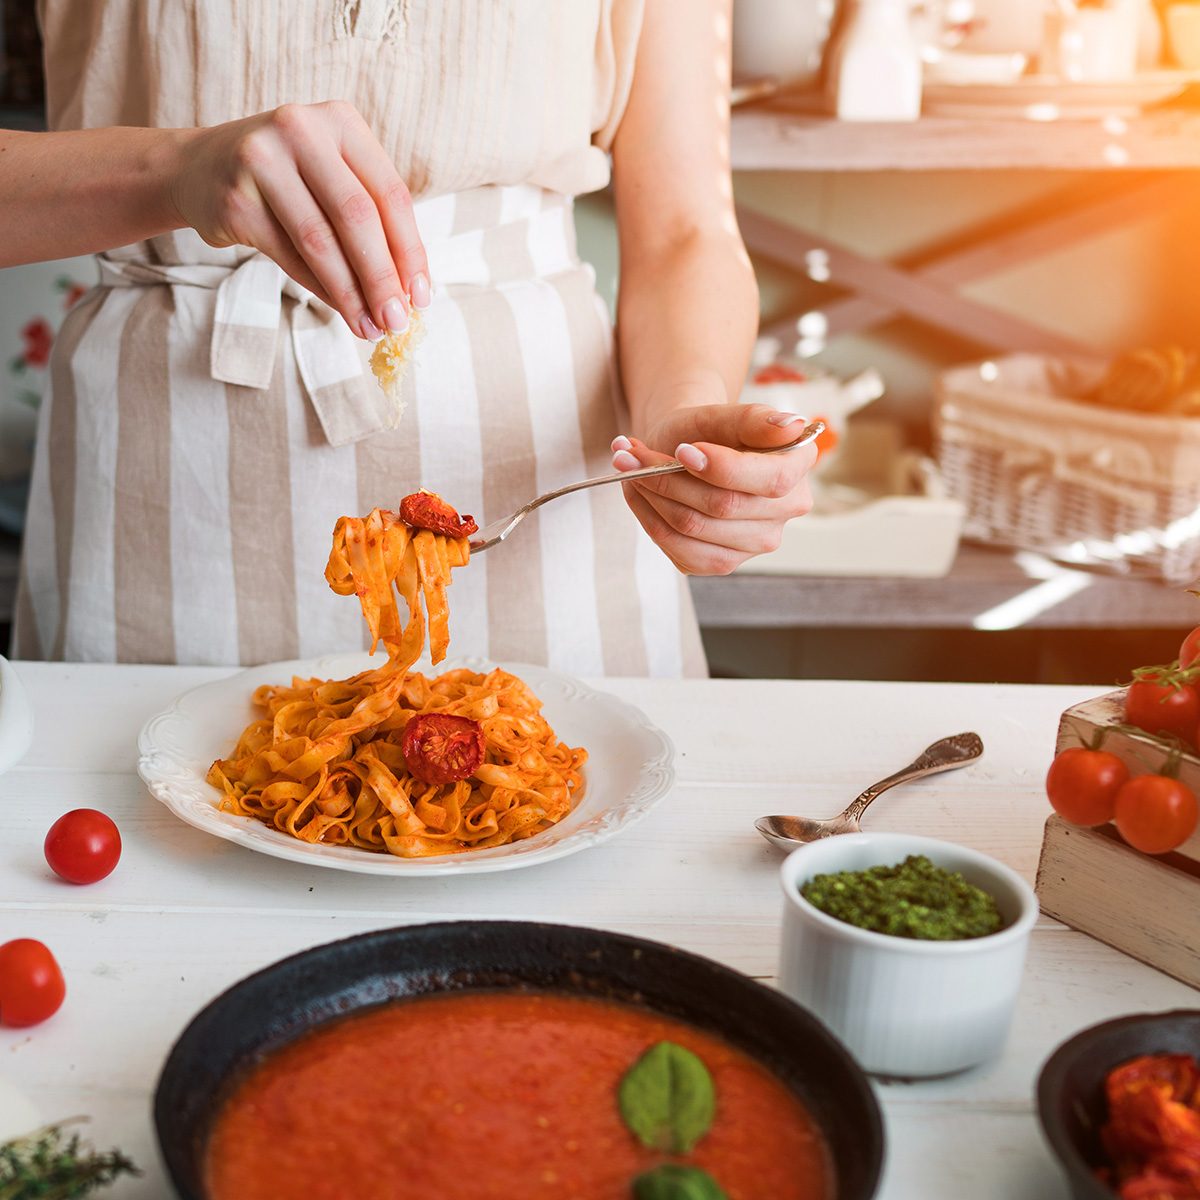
(31, 984)
(1156, 814)
(779, 373)
(83, 846)
(1159, 707)
(1082, 785)
(424, 510)
(1189, 652)
(440, 748)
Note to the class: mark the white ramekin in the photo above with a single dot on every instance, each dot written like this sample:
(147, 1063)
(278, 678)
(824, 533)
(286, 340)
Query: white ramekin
(902, 1006)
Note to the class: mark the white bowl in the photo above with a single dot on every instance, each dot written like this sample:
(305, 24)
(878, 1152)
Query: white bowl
(904, 1006)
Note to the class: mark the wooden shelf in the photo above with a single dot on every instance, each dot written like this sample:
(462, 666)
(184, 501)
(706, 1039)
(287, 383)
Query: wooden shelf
(766, 139)
(980, 581)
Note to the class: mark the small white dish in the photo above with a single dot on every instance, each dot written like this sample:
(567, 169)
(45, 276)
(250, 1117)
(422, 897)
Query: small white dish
(959, 67)
(16, 717)
(629, 768)
(905, 1007)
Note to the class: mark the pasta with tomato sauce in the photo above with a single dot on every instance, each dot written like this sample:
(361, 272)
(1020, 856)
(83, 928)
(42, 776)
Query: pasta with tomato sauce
(390, 760)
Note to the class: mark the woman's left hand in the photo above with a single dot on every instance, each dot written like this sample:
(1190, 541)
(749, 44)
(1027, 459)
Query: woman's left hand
(731, 503)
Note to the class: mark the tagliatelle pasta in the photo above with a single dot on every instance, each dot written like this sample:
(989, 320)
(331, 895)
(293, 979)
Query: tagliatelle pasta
(326, 763)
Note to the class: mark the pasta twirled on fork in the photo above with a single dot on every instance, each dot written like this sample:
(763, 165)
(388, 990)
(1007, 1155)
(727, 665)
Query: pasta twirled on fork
(327, 762)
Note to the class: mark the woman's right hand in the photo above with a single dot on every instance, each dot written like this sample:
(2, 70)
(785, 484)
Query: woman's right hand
(310, 186)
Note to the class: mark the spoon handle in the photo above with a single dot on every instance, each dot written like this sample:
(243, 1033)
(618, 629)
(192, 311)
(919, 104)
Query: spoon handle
(944, 755)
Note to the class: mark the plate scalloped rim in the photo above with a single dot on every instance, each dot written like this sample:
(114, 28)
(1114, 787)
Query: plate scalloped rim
(174, 771)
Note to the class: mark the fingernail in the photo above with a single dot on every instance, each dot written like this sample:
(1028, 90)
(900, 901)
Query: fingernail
(422, 296)
(693, 459)
(624, 461)
(621, 443)
(395, 315)
(784, 418)
(368, 329)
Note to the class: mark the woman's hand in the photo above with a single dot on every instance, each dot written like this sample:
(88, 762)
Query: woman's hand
(731, 503)
(311, 187)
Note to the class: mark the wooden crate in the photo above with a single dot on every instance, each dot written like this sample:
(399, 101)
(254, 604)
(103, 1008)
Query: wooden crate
(1147, 906)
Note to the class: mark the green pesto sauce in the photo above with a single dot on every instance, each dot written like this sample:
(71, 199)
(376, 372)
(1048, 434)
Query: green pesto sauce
(913, 899)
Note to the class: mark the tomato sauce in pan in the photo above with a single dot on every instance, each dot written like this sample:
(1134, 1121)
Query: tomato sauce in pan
(494, 1096)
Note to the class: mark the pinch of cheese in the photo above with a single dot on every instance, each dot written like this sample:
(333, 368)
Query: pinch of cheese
(391, 356)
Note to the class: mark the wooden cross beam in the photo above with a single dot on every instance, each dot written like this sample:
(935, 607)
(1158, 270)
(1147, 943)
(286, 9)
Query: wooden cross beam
(928, 290)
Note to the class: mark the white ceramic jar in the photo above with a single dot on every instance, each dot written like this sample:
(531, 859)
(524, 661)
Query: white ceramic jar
(783, 38)
(905, 1007)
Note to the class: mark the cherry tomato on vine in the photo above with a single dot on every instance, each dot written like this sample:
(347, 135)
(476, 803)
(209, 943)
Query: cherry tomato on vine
(1082, 785)
(1155, 813)
(83, 846)
(1189, 652)
(31, 983)
(1163, 707)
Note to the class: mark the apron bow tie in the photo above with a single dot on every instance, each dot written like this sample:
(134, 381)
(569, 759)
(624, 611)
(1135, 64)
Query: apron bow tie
(247, 311)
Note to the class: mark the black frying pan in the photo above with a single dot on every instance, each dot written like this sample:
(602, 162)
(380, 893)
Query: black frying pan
(272, 1007)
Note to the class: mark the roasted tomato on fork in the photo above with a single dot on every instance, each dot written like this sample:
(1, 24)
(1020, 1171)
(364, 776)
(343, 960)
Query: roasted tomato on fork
(441, 748)
(426, 510)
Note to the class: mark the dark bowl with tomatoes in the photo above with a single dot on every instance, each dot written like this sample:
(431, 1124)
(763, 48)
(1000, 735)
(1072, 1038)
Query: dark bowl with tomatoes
(270, 1009)
(1071, 1087)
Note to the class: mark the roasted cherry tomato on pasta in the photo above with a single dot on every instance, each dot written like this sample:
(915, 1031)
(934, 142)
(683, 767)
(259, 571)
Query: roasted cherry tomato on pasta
(440, 748)
(1082, 785)
(83, 846)
(1155, 813)
(31, 983)
(1159, 704)
(425, 510)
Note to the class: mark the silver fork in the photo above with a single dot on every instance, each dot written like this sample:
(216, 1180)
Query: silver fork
(497, 531)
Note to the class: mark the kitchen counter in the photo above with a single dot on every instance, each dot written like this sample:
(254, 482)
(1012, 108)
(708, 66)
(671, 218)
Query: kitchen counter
(185, 914)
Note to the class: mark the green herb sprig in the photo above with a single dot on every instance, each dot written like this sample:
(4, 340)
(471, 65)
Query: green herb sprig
(56, 1164)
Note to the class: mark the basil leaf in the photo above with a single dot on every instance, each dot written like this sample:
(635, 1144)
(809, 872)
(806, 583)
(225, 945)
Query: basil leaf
(667, 1098)
(674, 1182)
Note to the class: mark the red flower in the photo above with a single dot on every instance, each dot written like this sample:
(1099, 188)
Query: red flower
(72, 294)
(38, 337)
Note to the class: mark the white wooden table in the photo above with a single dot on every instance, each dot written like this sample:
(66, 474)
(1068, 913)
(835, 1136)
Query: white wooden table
(185, 915)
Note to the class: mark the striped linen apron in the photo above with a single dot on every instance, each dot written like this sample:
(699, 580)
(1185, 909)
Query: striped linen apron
(207, 423)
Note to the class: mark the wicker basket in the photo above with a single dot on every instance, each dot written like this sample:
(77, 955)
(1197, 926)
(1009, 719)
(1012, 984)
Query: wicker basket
(1085, 485)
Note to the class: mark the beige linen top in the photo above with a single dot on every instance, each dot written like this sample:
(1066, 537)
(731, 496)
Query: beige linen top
(461, 94)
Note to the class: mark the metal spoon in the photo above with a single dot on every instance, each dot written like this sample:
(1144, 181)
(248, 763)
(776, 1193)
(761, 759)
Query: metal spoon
(790, 832)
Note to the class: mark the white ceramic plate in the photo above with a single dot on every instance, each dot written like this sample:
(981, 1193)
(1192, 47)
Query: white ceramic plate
(629, 768)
